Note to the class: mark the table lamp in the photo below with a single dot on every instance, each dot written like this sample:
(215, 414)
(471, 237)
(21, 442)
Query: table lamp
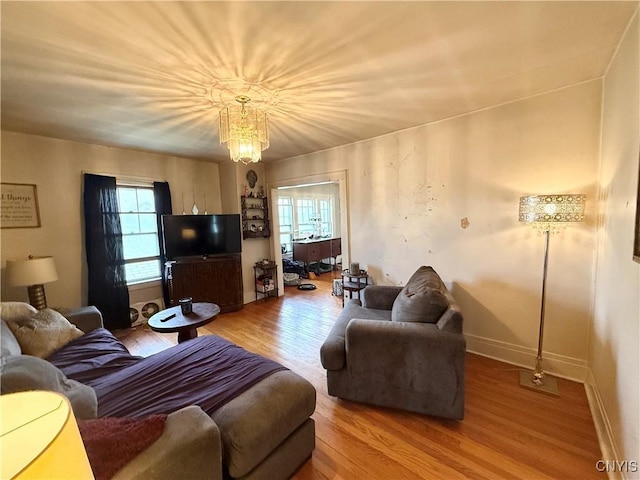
(32, 273)
(547, 213)
(39, 438)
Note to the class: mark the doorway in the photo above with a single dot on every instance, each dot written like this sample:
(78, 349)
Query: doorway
(310, 210)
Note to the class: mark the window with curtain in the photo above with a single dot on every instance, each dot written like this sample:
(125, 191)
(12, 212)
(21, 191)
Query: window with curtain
(107, 287)
(138, 217)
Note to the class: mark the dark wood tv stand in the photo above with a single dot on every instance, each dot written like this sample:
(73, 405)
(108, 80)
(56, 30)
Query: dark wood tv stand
(214, 279)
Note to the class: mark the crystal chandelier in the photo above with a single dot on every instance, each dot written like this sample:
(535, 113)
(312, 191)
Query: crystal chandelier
(245, 130)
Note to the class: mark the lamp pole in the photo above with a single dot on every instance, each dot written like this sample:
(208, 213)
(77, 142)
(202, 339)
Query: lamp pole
(538, 381)
(538, 373)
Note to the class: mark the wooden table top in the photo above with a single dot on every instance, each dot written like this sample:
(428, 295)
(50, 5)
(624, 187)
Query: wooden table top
(362, 274)
(202, 314)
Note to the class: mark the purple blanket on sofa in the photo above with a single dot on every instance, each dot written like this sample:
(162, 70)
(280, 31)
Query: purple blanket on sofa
(207, 371)
(93, 355)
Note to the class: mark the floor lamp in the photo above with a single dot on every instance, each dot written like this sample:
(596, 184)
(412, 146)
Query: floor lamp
(39, 438)
(547, 213)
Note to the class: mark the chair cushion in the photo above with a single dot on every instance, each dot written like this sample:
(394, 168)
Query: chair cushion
(42, 333)
(19, 373)
(422, 299)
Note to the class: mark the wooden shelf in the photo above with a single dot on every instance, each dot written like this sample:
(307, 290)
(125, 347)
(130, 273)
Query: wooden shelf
(252, 234)
(257, 207)
(265, 276)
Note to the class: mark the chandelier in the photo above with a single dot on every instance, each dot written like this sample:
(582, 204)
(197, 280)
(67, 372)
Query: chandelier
(245, 130)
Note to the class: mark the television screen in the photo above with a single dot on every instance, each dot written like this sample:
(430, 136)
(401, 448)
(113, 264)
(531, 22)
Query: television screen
(200, 235)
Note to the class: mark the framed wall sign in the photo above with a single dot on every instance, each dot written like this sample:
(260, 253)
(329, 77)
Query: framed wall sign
(19, 205)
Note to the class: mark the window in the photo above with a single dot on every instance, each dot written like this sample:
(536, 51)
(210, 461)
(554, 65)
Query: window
(285, 213)
(306, 210)
(139, 233)
(326, 217)
(303, 217)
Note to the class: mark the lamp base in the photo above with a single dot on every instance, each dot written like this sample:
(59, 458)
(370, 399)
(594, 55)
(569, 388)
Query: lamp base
(37, 298)
(548, 385)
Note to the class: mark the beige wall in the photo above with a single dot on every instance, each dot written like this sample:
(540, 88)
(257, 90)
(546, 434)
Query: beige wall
(615, 338)
(253, 249)
(408, 193)
(56, 167)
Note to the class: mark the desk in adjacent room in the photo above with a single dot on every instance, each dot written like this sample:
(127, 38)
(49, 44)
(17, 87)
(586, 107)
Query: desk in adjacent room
(316, 249)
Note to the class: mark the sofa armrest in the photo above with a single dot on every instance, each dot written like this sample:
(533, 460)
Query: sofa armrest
(85, 318)
(380, 297)
(189, 448)
(451, 320)
(332, 350)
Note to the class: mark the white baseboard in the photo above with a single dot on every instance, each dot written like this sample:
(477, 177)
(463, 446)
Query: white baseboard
(603, 426)
(250, 296)
(554, 364)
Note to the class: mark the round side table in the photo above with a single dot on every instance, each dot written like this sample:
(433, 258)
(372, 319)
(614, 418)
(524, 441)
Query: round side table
(352, 282)
(173, 320)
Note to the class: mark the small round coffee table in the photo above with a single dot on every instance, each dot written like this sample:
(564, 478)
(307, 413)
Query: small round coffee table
(184, 324)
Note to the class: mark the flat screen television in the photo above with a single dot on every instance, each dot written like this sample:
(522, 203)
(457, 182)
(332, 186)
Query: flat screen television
(200, 235)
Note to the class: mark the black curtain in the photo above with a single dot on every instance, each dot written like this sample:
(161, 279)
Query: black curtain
(162, 196)
(105, 257)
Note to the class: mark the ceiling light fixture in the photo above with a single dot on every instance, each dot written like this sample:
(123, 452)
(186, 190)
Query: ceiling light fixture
(245, 130)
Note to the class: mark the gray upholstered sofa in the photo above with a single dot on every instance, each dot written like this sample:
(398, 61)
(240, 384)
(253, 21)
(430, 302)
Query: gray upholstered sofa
(265, 432)
(401, 348)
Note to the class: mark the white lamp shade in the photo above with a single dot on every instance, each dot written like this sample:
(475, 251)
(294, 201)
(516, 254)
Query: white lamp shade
(40, 439)
(34, 271)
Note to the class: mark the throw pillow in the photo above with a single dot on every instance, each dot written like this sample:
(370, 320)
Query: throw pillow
(43, 333)
(9, 342)
(422, 299)
(16, 311)
(111, 443)
(20, 373)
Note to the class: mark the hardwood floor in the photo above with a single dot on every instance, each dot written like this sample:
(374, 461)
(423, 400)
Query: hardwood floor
(508, 432)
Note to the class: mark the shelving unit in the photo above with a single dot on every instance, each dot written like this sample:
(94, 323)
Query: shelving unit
(265, 276)
(255, 217)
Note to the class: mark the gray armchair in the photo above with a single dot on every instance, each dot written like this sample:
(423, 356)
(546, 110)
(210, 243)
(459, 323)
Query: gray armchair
(401, 348)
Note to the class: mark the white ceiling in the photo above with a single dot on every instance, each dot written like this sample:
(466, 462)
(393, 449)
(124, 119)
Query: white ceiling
(153, 75)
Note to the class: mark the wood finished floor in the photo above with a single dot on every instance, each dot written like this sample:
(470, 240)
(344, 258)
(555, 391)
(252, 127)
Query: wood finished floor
(508, 432)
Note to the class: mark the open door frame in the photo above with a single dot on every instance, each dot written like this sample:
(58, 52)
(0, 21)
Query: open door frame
(339, 176)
